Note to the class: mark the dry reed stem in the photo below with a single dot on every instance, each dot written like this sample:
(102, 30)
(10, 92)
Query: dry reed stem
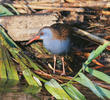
(102, 4)
(90, 36)
(19, 6)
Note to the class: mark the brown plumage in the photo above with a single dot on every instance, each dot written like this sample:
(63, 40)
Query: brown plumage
(61, 31)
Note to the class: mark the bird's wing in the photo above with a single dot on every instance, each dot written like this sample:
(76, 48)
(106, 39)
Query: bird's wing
(61, 31)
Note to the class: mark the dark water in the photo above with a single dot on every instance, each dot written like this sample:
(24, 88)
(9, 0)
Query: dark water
(16, 93)
(12, 91)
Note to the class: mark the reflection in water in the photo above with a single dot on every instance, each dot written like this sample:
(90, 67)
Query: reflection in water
(20, 92)
(16, 93)
(22, 96)
(11, 90)
(17, 96)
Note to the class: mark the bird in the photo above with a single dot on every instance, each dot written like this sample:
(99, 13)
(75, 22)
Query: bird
(56, 39)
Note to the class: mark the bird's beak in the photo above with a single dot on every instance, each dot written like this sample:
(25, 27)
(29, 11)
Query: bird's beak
(35, 38)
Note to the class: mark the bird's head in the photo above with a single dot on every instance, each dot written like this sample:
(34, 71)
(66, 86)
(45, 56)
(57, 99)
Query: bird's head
(44, 33)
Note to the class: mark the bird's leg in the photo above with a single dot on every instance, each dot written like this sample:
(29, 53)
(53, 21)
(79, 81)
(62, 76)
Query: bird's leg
(54, 58)
(62, 59)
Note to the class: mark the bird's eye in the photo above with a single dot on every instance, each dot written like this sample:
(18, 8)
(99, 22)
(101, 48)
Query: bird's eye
(42, 33)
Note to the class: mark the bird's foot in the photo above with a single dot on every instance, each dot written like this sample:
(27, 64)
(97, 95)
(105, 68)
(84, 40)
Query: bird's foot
(54, 71)
(63, 73)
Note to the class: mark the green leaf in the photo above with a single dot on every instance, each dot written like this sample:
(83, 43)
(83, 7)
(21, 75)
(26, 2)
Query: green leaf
(27, 73)
(28, 76)
(6, 63)
(104, 92)
(74, 92)
(12, 65)
(88, 83)
(96, 52)
(4, 11)
(3, 76)
(9, 5)
(100, 75)
(56, 90)
(9, 42)
(90, 58)
(29, 62)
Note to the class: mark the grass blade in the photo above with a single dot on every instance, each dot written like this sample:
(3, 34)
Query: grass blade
(74, 92)
(9, 5)
(12, 66)
(3, 75)
(88, 83)
(24, 64)
(104, 92)
(11, 72)
(9, 43)
(96, 52)
(4, 11)
(56, 90)
(7, 65)
(29, 62)
(100, 75)
(26, 71)
(28, 76)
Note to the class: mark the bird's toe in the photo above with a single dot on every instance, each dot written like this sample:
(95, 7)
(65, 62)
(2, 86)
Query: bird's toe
(63, 73)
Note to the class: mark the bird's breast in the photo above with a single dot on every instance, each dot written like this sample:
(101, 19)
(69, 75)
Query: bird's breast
(57, 46)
